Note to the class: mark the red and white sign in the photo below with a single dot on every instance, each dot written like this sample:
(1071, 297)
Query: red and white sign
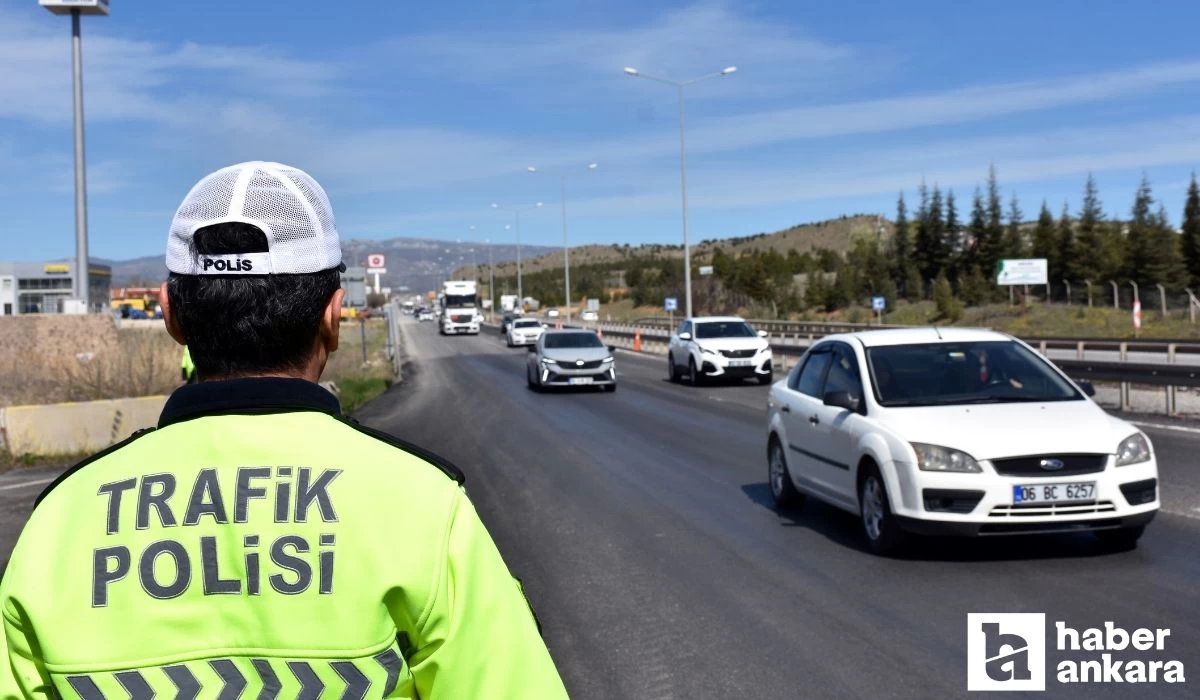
(1137, 313)
(375, 260)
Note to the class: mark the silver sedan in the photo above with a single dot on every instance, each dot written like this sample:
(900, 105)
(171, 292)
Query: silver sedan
(571, 358)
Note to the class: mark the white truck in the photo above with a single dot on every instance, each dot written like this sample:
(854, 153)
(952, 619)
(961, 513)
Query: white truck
(508, 302)
(460, 308)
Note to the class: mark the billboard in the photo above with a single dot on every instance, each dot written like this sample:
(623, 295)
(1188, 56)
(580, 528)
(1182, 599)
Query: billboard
(85, 7)
(1021, 271)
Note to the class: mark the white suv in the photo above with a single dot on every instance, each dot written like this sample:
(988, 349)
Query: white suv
(954, 431)
(718, 346)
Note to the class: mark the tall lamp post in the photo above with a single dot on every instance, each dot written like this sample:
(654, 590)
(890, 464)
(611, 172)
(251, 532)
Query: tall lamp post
(77, 8)
(566, 248)
(687, 252)
(516, 212)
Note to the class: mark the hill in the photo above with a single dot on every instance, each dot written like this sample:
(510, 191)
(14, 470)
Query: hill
(417, 263)
(837, 235)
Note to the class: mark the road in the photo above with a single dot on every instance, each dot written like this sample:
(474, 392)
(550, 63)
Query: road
(641, 525)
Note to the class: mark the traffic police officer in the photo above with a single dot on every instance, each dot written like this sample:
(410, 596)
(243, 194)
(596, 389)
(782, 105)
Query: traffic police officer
(257, 543)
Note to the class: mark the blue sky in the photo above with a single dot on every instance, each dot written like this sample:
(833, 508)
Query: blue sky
(416, 116)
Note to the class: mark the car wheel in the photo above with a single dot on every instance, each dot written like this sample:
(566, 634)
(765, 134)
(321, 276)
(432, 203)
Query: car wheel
(766, 378)
(693, 374)
(882, 531)
(672, 370)
(782, 489)
(1121, 539)
(529, 380)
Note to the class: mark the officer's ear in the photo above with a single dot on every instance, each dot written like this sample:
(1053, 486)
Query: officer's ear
(169, 318)
(331, 321)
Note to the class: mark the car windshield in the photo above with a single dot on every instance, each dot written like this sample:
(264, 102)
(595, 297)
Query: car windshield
(724, 329)
(526, 324)
(944, 374)
(572, 340)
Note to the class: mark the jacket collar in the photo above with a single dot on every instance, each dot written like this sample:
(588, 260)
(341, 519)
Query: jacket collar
(247, 396)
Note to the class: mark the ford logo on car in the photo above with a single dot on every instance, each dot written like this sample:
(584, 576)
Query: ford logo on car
(1051, 465)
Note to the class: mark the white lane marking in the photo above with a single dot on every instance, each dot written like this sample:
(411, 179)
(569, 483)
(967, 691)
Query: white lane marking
(1160, 426)
(1190, 516)
(23, 484)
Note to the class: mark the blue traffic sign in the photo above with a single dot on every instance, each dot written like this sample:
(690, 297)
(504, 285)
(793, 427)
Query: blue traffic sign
(878, 303)
(670, 304)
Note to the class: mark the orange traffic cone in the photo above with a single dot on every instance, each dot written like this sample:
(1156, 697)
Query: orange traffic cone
(637, 341)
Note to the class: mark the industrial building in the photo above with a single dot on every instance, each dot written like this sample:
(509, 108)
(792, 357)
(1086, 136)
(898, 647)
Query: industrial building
(45, 288)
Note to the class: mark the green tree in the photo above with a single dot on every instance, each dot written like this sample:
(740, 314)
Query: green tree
(976, 231)
(951, 245)
(930, 230)
(994, 228)
(948, 308)
(974, 288)
(914, 288)
(818, 291)
(1065, 242)
(1043, 243)
(1190, 238)
(1153, 246)
(901, 243)
(1088, 234)
(1014, 241)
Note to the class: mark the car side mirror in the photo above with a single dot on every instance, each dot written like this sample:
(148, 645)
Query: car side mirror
(762, 334)
(842, 399)
(1088, 388)
(532, 348)
(685, 336)
(612, 348)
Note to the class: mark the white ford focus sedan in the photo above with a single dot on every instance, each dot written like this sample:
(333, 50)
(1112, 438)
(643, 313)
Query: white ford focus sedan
(957, 432)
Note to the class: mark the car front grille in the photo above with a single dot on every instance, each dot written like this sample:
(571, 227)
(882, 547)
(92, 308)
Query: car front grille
(1032, 465)
(573, 364)
(739, 354)
(1053, 509)
(461, 319)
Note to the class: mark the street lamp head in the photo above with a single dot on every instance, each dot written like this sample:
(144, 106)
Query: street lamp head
(730, 69)
(84, 7)
(631, 71)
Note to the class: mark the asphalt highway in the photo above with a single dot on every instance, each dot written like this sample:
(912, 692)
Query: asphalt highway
(642, 526)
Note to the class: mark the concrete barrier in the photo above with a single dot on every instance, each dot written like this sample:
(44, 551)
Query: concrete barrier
(75, 428)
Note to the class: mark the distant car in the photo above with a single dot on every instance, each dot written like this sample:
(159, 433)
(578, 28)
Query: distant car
(954, 431)
(524, 331)
(425, 315)
(570, 358)
(589, 316)
(718, 346)
(553, 313)
(506, 321)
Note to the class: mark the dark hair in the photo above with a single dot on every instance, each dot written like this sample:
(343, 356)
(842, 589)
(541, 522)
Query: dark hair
(239, 325)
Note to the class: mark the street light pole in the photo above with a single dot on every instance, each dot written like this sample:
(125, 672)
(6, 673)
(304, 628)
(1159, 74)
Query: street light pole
(491, 280)
(77, 10)
(516, 211)
(566, 246)
(687, 251)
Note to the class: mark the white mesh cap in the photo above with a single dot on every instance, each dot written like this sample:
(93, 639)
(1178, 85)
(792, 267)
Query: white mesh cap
(285, 202)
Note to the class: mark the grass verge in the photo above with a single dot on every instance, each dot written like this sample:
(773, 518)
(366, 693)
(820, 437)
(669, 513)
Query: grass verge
(356, 391)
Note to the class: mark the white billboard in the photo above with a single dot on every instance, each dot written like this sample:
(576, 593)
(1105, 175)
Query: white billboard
(85, 7)
(1021, 272)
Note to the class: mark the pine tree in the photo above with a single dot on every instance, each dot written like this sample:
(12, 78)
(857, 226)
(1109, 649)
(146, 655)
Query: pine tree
(951, 246)
(1065, 242)
(1043, 243)
(1153, 246)
(901, 243)
(1088, 235)
(914, 288)
(1190, 239)
(994, 230)
(1014, 242)
(921, 240)
(949, 310)
(1169, 269)
(930, 231)
(977, 229)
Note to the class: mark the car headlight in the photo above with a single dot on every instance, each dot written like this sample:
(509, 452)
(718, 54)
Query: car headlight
(1133, 450)
(707, 351)
(548, 361)
(607, 360)
(935, 458)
